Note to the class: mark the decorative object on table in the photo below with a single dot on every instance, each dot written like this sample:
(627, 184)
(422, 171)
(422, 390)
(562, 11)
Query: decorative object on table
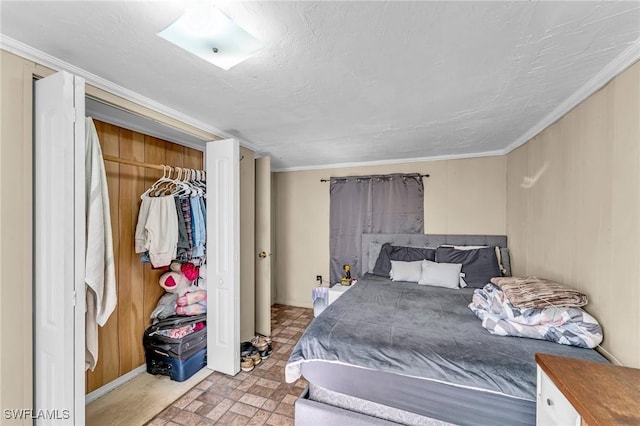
(346, 280)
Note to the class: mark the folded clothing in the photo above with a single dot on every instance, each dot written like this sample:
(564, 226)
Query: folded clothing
(532, 292)
(567, 326)
(180, 332)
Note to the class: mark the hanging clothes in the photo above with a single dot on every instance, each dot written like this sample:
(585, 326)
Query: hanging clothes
(186, 214)
(157, 229)
(100, 271)
(198, 231)
(172, 222)
(184, 245)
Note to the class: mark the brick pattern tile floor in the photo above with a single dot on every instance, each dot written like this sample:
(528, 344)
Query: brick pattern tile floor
(257, 397)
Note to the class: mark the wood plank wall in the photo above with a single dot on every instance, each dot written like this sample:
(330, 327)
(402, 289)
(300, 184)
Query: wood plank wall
(120, 340)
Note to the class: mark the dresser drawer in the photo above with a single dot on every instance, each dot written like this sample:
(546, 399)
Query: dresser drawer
(552, 408)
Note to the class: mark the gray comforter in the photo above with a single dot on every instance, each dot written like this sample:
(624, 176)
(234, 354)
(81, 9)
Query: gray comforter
(426, 332)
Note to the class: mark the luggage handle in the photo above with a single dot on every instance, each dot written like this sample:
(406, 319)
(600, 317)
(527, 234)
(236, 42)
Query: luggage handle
(161, 353)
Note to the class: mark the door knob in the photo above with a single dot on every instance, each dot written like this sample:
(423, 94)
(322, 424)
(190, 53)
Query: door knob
(262, 254)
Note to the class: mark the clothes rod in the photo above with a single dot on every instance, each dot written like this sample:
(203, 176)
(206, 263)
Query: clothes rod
(329, 180)
(139, 164)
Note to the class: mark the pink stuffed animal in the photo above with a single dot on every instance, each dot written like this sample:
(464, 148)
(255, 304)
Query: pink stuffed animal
(190, 299)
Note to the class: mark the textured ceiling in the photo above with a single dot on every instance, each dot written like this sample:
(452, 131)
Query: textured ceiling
(349, 81)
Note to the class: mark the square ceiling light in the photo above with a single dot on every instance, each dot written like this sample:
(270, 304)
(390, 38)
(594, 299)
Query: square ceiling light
(211, 35)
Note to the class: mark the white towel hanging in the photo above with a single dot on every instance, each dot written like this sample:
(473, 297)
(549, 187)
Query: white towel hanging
(100, 272)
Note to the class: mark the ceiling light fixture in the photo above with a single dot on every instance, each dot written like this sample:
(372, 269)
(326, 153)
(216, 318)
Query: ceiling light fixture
(209, 34)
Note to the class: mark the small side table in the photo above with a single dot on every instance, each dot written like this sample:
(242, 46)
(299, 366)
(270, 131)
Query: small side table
(337, 291)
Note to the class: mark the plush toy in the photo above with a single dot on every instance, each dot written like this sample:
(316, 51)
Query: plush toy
(195, 300)
(192, 303)
(182, 297)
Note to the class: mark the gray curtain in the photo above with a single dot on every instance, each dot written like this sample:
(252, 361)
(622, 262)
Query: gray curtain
(371, 204)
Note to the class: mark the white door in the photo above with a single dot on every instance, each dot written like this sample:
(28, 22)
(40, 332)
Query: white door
(222, 164)
(59, 250)
(263, 246)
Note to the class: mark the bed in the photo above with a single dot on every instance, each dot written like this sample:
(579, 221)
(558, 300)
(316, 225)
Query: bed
(399, 352)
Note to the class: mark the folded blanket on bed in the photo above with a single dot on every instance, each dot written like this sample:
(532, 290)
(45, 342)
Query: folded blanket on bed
(567, 326)
(532, 292)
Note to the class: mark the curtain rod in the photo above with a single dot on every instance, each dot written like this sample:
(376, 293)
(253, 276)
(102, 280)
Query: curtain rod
(360, 177)
(139, 164)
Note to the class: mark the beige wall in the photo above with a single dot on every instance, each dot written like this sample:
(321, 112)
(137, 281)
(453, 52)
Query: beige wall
(247, 244)
(15, 234)
(461, 197)
(573, 208)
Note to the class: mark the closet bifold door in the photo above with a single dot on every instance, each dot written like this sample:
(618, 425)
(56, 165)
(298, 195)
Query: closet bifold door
(222, 165)
(59, 232)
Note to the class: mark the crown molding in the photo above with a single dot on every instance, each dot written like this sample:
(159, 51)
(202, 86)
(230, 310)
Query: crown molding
(393, 161)
(623, 61)
(30, 53)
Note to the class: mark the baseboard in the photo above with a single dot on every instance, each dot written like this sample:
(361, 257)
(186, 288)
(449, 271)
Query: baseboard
(103, 390)
(609, 356)
(296, 303)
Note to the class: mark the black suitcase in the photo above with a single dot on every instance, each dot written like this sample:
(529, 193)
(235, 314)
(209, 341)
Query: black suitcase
(177, 370)
(182, 348)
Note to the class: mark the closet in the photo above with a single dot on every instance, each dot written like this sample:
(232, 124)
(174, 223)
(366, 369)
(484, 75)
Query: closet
(120, 348)
(59, 183)
(120, 340)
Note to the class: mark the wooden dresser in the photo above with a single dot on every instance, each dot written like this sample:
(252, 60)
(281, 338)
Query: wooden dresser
(576, 392)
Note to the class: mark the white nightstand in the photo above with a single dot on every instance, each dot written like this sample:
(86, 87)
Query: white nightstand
(337, 291)
(586, 393)
(552, 407)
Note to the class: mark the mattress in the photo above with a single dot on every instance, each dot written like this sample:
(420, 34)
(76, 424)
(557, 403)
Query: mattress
(443, 401)
(421, 349)
(369, 410)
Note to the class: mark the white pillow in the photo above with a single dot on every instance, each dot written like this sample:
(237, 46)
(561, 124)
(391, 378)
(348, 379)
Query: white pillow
(440, 274)
(406, 271)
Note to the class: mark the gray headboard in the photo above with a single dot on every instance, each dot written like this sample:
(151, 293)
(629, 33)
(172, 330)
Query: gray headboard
(427, 240)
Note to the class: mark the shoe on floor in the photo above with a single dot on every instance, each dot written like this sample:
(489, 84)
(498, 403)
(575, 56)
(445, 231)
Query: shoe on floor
(261, 342)
(257, 359)
(247, 349)
(246, 364)
(265, 353)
